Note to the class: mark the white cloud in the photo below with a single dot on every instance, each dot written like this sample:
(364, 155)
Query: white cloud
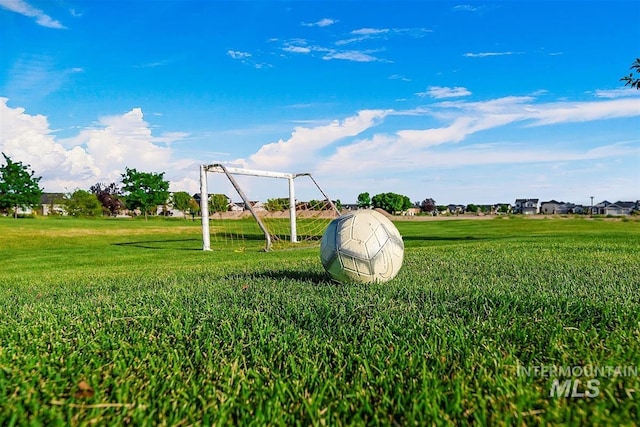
(301, 46)
(364, 34)
(170, 137)
(99, 153)
(370, 31)
(342, 153)
(486, 54)
(353, 55)
(235, 54)
(324, 22)
(465, 8)
(410, 150)
(574, 112)
(28, 139)
(399, 77)
(439, 92)
(24, 8)
(247, 59)
(305, 142)
(616, 93)
(297, 49)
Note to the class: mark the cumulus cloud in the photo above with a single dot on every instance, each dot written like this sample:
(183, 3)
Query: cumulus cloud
(29, 139)
(24, 8)
(305, 142)
(368, 145)
(99, 153)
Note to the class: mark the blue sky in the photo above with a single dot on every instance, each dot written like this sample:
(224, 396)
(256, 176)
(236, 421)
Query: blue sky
(463, 102)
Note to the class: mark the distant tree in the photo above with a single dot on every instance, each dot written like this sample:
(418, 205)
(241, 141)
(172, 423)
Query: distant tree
(82, 203)
(472, 208)
(19, 186)
(278, 204)
(319, 205)
(632, 80)
(428, 205)
(218, 203)
(364, 200)
(391, 202)
(144, 190)
(194, 208)
(181, 200)
(109, 197)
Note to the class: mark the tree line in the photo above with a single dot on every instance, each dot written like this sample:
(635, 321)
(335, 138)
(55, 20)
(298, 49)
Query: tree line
(144, 191)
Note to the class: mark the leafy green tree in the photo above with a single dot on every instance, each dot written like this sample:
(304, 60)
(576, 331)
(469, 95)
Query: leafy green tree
(144, 190)
(194, 208)
(364, 200)
(181, 201)
(109, 197)
(472, 208)
(218, 203)
(391, 202)
(19, 187)
(82, 203)
(278, 204)
(632, 80)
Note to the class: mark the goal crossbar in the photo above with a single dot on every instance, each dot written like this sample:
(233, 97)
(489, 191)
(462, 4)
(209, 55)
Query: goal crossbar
(229, 171)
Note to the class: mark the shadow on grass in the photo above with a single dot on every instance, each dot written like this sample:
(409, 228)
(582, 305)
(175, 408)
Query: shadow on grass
(167, 244)
(298, 275)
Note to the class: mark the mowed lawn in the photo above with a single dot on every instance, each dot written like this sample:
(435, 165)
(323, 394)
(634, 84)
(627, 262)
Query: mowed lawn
(112, 322)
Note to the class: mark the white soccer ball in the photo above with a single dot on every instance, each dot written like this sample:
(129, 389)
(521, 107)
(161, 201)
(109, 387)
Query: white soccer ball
(362, 246)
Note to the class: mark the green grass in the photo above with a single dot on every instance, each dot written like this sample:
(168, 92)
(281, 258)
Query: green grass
(128, 322)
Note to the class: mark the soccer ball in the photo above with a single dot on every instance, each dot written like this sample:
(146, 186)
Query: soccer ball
(361, 246)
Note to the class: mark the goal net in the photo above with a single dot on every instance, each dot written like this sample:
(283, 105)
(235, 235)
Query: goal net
(246, 208)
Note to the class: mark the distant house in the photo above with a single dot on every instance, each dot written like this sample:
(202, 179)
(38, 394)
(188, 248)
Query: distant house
(350, 207)
(620, 208)
(412, 211)
(52, 204)
(257, 206)
(555, 207)
(456, 209)
(236, 206)
(526, 206)
(599, 208)
(579, 209)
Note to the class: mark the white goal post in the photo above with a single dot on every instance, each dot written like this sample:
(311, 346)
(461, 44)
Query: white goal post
(230, 172)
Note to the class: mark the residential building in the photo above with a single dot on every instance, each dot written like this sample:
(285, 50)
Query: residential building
(555, 207)
(526, 206)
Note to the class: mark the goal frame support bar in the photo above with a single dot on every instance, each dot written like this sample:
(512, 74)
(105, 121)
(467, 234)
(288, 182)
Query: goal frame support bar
(229, 171)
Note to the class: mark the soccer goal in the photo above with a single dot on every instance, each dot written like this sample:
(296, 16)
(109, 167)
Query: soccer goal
(263, 199)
